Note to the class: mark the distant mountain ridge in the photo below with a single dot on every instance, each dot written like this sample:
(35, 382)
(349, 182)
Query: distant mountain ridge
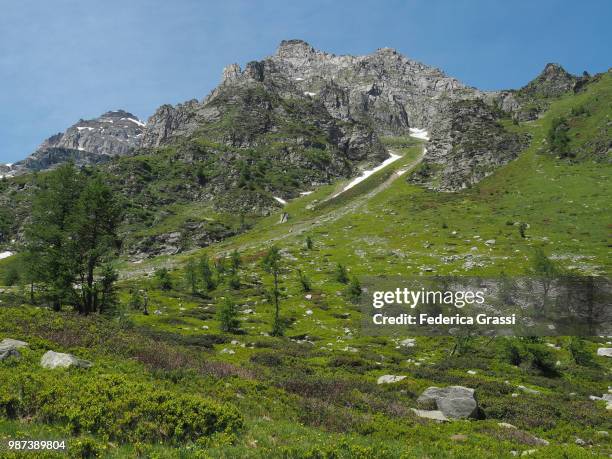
(350, 101)
(114, 133)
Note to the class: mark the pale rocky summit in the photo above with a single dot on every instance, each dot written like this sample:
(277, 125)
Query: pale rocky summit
(92, 141)
(455, 402)
(54, 360)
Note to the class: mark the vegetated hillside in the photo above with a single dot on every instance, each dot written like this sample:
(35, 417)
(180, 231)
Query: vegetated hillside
(201, 171)
(316, 391)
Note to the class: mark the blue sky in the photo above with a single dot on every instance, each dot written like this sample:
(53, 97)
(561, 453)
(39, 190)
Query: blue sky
(62, 60)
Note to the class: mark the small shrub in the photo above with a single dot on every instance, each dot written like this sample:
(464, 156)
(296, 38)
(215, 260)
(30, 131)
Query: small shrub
(353, 290)
(304, 281)
(341, 275)
(269, 359)
(162, 276)
(579, 352)
(234, 282)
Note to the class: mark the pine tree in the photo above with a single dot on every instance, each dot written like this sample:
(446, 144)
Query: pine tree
(341, 274)
(271, 264)
(353, 291)
(235, 261)
(93, 229)
(164, 281)
(208, 281)
(191, 277)
(227, 315)
(48, 242)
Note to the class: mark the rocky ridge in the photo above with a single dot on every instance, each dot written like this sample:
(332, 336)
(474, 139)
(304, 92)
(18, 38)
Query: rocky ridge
(114, 133)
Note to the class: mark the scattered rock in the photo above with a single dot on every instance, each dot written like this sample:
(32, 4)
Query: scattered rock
(9, 348)
(528, 390)
(540, 441)
(580, 442)
(506, 425)
(408, 342)
(388, 379)
(604, 352)
(54, 360)
(454, 401)
(459, 437)
(8, 351)
(13, 343)
(431, 414)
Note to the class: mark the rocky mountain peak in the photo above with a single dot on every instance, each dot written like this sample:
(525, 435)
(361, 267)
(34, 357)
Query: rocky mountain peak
(294, 49)
(231, 72)
(552, 70)
(113, 133)
(553, 81)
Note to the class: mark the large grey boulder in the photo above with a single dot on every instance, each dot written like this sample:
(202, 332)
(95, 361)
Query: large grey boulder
(456, 402)
(53, 360)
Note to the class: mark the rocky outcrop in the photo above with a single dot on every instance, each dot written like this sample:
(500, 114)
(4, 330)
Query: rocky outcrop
(53, 360)
(455, 402)
(466, 145)
(528, 102)
(87, 142)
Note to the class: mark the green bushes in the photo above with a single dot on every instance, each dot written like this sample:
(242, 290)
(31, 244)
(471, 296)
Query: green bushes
(558, 138)
(114, 407)
(579, 352)
(531, 353)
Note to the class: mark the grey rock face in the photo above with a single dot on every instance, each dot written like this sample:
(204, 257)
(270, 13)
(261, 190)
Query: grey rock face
(465, 146)
(87, 142)
(455, 402)
(528, 102)
(54, 360)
